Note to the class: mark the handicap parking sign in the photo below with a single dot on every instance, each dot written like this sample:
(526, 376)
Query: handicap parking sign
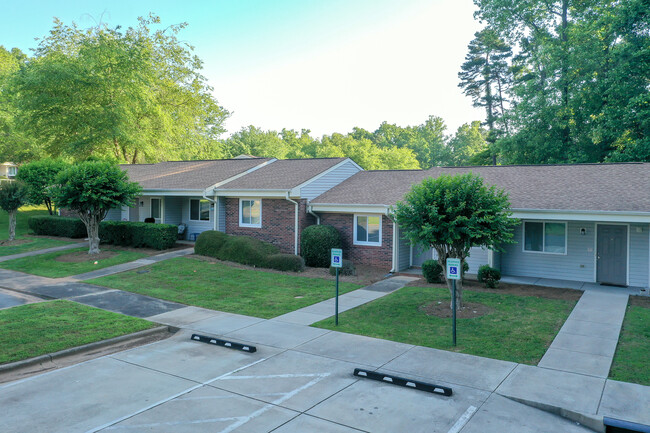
(337, 258)
(453, 269)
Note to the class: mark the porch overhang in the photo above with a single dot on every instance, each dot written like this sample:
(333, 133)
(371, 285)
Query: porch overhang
(582, 215)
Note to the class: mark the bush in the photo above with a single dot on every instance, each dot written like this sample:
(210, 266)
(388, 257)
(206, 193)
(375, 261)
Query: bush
(47, 225)
(209, 243)
(246, 250)
(138, 235)
(347, 268)
(316, 243)
(432, 271)
(285, 262)
(489, 276)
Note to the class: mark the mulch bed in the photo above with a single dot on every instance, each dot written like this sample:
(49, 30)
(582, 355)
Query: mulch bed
(640, 301)
(15, 242)
(468, 311)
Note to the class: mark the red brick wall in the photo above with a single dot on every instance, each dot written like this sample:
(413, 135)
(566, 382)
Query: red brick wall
(278, 223)
(379, 257)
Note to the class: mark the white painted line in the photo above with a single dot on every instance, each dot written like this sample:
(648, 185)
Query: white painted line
(276, 376)
(464, 418)
(158, 403)
(172, 423)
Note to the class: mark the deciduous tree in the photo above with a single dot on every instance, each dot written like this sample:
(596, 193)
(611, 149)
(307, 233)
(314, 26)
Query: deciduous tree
(39, 177)
(12, 196)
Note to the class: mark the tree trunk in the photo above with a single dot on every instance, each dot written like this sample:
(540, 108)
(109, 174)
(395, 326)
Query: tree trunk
(12, 224)
(443, 255)
(91, 222)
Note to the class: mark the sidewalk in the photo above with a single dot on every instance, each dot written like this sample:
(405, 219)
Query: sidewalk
(43, 251)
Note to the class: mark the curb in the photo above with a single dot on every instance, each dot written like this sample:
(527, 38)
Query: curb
(49, 357)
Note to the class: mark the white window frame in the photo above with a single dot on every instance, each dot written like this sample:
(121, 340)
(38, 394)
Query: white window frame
(162, 209)
(209, 207)
(566, 237)
(12, 171)
(371, 244)
(241, 223)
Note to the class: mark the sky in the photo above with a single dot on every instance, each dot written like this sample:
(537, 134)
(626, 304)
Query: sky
(322, 65)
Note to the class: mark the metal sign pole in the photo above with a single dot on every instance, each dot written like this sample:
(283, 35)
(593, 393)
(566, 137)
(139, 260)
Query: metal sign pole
(336, 308)
(453, 310)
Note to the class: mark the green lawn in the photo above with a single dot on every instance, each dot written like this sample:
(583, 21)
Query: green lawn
(36, 329)
(22, 229)
(220, 287)
(519, 328)
(45, 265)
(631, 358)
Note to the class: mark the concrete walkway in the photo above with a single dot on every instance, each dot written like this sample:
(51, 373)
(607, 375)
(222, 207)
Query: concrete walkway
(587, 342)
(44, 251)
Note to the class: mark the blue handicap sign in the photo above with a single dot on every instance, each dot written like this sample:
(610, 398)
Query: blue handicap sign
(337, 259)
(453, 270)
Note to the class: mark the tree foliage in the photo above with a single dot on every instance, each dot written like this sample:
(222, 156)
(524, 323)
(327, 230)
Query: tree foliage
(39, 177)
(92, 188)
(12, 196)
(135, 94)
(453, 214)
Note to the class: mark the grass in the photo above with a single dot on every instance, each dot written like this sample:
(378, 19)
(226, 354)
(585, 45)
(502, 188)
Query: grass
(631, 358)
(519, 328)
(45, 265)
(22, 229)
(46, 327)
(225, 288)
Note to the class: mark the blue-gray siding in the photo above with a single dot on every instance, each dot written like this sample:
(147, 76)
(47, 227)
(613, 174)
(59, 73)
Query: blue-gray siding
(328, 181)
(404, 254)
(639, 250)
(114, 215)
(173, 209)
(477, 257)
(196, 226)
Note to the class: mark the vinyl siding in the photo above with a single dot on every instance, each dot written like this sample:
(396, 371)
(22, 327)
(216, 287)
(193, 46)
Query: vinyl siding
(421, 254)
(328, 181)
(477, 257)
(114, 215)
(195, 226)
(639, 255)
(404, 254)
(222, 214)
(173, 209)
(577, 264)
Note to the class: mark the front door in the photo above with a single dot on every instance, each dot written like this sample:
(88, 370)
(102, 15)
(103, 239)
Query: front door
(611, 254)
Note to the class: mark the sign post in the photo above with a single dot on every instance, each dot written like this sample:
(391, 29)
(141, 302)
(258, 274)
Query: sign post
(337, 263)
(453, 274)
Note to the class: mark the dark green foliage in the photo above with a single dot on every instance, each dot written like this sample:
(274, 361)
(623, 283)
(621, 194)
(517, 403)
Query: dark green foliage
(432, 271)
(489, 276)
(209, 243)
(46, 225)
(39, 176)
(246, 250)
(12, 195)
(347, 268)
(316, 243)
(285, 262)
(138, 235)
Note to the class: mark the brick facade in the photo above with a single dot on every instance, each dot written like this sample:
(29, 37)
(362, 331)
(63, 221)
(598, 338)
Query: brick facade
(378, 257)
(278, 223)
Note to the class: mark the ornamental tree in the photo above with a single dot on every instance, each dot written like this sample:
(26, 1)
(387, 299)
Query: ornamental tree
(453, 214)
(12, 196)
(92, 188)
(38, 177)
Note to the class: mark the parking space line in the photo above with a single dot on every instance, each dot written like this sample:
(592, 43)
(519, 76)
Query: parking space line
(464, 418)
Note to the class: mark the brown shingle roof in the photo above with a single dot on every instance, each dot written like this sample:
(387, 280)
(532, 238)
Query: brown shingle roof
(188, 174)
(597, 187)
(283, 174)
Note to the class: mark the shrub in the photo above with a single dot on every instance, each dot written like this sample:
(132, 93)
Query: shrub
(432, 271)
(246, 250)
(316, 243)
(138, 235)
(347, 268)
(46, 225)
(209, 243)
(489, 276)
(285, 262)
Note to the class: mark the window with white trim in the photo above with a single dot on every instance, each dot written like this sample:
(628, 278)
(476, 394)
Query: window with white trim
(367, 230)
(199, 210)
(250, 212)
(156, 208)
(545, 237)
(11, 171)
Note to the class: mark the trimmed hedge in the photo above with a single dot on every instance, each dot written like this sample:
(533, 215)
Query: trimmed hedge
(209, 243)
(432, 271)
(489, 276)
(285, 262)
(316, 243)
(47, 225)
(347, 268)
(138, 235)
(123, 233)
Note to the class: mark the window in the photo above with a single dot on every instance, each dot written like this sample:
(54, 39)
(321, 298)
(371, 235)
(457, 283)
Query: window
(156, 205)
(367, 230)
(11, 171)
(545, 237)
(199, 210)
(250, 212)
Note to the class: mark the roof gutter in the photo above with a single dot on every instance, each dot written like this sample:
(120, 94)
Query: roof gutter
(295, 234)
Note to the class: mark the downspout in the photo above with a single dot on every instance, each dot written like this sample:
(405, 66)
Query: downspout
(295, 237)
(215, 224)
(315, 216)
(395, 247)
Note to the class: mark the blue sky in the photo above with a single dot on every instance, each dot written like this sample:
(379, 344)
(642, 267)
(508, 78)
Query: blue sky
(324, 65)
